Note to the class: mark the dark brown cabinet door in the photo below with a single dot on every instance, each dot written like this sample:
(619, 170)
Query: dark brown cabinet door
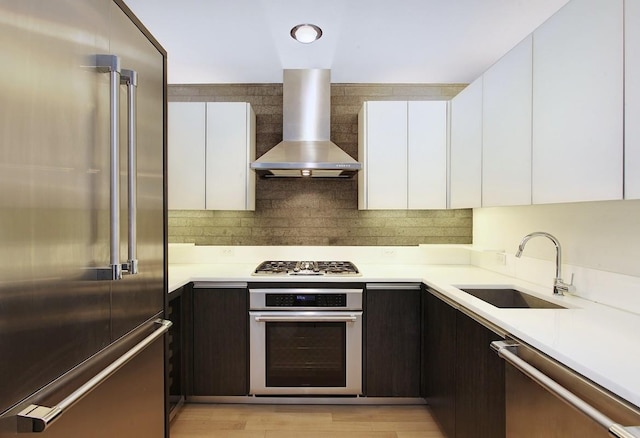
(220, 317)
(393, 324)
(439, 340)
(464, 379)
(480, 406)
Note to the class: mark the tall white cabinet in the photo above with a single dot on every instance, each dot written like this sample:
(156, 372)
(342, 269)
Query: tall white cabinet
(506, 129)
(186, 130)
(231, 147)
(402, 147)
(465, 184)
(382, 151)
(427, 135)
(578, 103)
(632, 99)
(210, 147)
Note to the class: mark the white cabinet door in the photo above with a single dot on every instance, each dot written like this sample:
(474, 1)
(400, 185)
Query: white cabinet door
(230, 147)
(632, 99)
(578, 103)
(506, 129)
(427, 155)
(186, 156)
(382, 150)
(465, 186)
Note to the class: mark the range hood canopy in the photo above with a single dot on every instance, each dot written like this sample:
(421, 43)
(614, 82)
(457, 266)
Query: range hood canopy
(306, 149)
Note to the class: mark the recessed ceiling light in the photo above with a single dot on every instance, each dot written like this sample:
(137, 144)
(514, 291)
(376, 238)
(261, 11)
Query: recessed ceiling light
(306, 33)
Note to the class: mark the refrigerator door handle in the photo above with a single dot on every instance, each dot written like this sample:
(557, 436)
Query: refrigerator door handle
(130, 79)
(111, 64)
(36, 418)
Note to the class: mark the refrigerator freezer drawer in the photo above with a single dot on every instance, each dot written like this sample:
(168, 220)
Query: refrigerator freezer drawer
(124, 399)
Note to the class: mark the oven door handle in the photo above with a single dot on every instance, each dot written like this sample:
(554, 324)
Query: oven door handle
(347, 318)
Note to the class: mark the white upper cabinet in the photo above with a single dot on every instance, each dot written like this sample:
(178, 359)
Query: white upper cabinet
(382, 151)
(427, 155)
(465, 185)
(210, 146)
(230, 147)
(506, 129)
(186, 156)
(632, 99)
(403, 150)
(578, 103)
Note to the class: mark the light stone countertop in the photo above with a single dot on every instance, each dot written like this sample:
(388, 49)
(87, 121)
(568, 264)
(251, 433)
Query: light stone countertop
(597, 341)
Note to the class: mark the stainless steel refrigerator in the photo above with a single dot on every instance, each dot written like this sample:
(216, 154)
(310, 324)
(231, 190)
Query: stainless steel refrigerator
(82, 221)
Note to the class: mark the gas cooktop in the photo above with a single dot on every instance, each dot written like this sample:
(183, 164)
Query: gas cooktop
(281, 268)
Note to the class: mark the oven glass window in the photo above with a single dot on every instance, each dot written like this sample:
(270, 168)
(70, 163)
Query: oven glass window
(300, 354)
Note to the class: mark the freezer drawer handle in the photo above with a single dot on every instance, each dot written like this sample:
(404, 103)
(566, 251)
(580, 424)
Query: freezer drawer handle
(36, 418)
(504, 350)
(130, 79)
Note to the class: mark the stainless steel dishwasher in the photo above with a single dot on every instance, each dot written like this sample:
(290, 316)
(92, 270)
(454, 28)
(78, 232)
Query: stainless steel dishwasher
(546, 399)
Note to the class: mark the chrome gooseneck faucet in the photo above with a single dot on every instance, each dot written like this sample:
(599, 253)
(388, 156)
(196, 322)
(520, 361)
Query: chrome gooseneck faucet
(559, 286)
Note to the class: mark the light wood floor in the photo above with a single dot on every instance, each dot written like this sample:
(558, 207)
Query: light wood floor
(308, 421)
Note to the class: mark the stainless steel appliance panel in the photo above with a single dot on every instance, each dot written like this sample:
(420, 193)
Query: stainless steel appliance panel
(136, 297)
(305, 339)
(258, 353)
(54, 166)
(533, 412)
(55, 192)
(128, 404)
(546, 399)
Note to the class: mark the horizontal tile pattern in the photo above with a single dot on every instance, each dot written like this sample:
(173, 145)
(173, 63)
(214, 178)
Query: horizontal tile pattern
(315, 226)
(315, 212)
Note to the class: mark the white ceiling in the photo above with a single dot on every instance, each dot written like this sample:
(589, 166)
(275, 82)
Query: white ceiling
(387, 41)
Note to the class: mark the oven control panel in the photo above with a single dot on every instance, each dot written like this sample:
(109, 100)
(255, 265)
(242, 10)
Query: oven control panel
(285, 299)
(306, 300)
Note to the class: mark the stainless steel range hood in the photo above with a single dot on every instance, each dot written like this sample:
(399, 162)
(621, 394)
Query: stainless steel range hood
(306, 149)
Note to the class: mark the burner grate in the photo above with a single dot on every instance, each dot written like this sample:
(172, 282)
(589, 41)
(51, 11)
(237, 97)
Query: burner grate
(306, 268)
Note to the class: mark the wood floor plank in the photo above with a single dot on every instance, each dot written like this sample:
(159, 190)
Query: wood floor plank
(221, 434)
(333, 434)
(404, 426)
(309, 421)
(426, 434)
(323, 426)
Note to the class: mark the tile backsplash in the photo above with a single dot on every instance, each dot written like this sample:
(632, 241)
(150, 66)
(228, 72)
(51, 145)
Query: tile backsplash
(300, 211)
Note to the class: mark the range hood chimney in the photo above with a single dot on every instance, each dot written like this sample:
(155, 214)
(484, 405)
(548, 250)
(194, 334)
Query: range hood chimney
(305, 149)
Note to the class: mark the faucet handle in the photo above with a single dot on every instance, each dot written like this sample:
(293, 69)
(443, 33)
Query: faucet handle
(560, 287)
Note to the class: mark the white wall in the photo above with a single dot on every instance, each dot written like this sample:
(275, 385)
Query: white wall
(598, 235)
(600, 244)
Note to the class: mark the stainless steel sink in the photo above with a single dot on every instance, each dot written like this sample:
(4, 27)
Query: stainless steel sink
(507, 298)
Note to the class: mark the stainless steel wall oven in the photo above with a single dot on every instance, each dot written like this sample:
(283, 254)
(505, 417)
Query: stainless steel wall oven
(305, 339)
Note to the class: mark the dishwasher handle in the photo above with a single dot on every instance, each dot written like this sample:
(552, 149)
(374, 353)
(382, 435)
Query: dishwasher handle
(505, 351)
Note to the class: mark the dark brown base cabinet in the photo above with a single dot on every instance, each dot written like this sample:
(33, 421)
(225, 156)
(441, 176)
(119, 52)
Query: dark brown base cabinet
(175, 350)
(392, 347)
(464, 378)
(220, 341)
(439, 357)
